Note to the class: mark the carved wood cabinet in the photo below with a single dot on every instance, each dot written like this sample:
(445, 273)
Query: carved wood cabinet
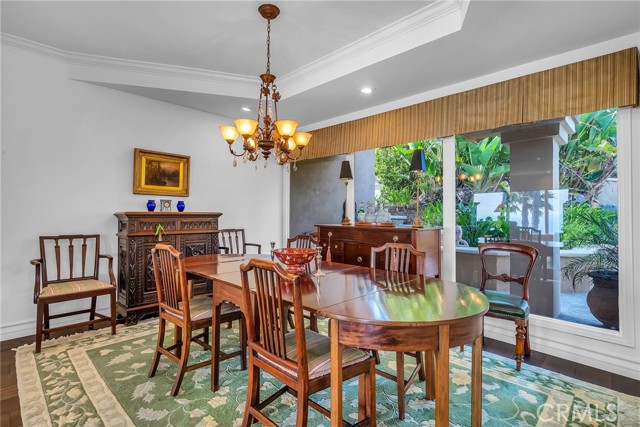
(192, 233)
(351, 244)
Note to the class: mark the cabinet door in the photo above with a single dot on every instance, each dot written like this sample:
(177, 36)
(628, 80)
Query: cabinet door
(144, 272)
(336, 250)
(195, 245)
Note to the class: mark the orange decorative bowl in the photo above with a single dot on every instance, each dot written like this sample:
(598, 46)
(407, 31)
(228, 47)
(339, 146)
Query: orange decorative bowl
(295, 258)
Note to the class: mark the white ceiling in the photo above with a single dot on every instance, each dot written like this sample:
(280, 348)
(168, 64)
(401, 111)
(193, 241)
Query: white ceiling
(323, 52)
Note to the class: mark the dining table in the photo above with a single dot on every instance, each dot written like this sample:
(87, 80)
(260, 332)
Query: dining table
(376, 310)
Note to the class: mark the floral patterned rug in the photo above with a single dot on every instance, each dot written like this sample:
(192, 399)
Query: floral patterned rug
(95, 379)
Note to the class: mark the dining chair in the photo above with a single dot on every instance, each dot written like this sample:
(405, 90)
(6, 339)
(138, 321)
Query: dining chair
(232, 241)
(309, 241)
(303, 241)
(398, 257)
(300, 359)
(505, 306)
(68, 269)
(177, 306)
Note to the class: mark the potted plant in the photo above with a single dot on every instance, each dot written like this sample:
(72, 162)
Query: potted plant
(159, 232)
(601, 265)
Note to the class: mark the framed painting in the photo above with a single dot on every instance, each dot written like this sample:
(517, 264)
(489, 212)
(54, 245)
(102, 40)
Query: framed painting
(164, 174)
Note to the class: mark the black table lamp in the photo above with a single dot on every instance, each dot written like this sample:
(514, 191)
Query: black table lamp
(418, 165)
(346, 176)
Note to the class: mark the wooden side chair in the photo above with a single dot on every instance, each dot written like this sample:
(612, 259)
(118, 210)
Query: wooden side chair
(309, 241)
(505, 306)
(232, 241)
(68, 270)
(304, 241)
(398, 257)
(301, 358)
(187, 314)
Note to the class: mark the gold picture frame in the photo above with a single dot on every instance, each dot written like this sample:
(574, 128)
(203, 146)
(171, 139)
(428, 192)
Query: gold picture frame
(163, 174)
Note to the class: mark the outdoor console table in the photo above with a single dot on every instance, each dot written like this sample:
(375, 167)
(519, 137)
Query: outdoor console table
(377, 310)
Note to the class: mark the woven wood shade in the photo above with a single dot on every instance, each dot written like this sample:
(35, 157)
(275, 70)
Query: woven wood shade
(607, 81)
(594, 84)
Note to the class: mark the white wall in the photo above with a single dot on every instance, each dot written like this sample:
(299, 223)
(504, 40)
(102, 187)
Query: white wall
(67, 166)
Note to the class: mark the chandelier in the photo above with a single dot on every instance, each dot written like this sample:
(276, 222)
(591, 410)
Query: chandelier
(273, 134)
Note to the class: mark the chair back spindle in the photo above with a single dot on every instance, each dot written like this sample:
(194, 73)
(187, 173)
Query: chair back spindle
(171, 279)
(303, 241)
(62, 266)
(398, 257)
(271, 310)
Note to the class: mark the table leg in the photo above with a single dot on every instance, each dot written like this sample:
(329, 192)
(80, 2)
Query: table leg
(336, 375)
(442, 378)
(215, 343)
(430, 374)
(476, 383)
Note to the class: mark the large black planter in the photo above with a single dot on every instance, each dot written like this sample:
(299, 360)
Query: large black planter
(602, 299)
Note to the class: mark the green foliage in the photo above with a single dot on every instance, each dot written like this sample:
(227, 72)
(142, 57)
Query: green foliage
(159, 230)
(398, 184)
(576, 230)
(401, 197)
(473, 228)
(482, 167)
(603, 236)
(590, 156)
(432, 214)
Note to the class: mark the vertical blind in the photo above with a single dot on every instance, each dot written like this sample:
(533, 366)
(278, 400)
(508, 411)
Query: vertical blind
(604, 82)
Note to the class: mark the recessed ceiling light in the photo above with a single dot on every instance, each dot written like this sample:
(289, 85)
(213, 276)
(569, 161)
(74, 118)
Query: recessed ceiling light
(366, 90)
(246, 109)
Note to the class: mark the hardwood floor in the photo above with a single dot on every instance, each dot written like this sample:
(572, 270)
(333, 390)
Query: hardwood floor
(10, 403)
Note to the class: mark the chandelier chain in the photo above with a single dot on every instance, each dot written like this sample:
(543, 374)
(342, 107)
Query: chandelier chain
(269, 46)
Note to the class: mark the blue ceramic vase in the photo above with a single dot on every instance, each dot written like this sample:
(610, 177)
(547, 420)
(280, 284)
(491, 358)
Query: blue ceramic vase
(151, 205)
(180, 206)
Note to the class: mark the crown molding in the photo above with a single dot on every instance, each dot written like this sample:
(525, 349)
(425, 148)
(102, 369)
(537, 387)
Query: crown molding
(33, 47)
(576, 55)
(438, 19)
(102, 69)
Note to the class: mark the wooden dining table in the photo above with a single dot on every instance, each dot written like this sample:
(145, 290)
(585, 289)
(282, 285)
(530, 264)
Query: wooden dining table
(376, 310)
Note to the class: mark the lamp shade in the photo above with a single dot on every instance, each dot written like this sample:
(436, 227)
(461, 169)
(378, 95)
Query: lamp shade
(418, 162)
(345, 170)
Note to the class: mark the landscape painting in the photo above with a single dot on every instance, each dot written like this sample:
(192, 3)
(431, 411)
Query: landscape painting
(160, 173)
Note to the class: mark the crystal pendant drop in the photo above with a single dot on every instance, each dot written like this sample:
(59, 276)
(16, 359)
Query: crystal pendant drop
(235, 163)
(295, 167)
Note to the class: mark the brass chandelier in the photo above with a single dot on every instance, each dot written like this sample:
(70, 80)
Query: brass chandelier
(274, 134)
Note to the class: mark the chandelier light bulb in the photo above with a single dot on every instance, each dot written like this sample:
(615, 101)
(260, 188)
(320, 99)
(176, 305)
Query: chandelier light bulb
(229, 133)
(286, 128)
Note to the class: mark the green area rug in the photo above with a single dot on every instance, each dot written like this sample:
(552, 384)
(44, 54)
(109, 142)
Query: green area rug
(95, 379)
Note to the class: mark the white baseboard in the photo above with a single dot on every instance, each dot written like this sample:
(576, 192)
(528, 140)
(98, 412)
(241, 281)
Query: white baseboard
(556, 344)
(28, 327)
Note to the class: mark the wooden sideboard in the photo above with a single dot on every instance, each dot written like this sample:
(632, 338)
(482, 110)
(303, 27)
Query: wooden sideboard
(192, 233)
(351, 244)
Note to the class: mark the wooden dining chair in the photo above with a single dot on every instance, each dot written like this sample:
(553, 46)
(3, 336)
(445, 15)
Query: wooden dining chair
(399, 257)
(68, 269)
(505, 306)
(232, 241)
(300, 359)
(303, 241)
(176, 305)
(309, 241)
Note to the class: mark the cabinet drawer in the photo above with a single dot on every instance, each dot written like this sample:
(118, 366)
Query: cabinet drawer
(336, 247)
(357, 254)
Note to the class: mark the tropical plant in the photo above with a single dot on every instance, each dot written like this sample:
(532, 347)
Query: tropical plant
(590, 156)
(603, 236)
(483, 167)
(432, 214)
